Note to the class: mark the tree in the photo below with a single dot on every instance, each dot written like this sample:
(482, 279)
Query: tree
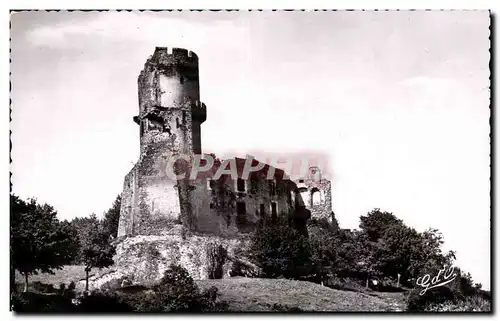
(38, 241)
(356, 256)
(400, 249)
(376, 222)
(280, 250)
(111, 218)
(95, 249)
(323, 245)
(401, 252)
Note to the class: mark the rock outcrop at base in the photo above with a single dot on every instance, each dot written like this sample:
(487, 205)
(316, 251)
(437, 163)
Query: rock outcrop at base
(142, 259)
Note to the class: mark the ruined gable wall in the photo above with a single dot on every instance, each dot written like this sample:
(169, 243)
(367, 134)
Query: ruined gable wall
(217, 210)
(317, 197)
(128, 199)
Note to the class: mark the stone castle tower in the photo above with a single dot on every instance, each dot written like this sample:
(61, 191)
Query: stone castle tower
(201, 223)
(169, 101)
(170, 118)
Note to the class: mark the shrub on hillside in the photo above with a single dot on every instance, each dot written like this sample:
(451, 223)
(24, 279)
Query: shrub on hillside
(176, 292)
(67, 291)
(244, 268)
(280, 251)
(30, 302)
(102, 302)
(417, 302)
(72, 286)
(459, 295)
(43, 287)
(474, 303)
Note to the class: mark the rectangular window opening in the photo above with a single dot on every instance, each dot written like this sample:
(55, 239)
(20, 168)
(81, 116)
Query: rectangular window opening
(240, 185)
(274, 211)
(241, 208)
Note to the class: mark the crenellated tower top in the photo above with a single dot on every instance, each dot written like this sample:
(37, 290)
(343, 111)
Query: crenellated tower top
(169, 97)
(170, 79)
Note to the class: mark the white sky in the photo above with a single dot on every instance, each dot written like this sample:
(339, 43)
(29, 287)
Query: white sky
(399, 101)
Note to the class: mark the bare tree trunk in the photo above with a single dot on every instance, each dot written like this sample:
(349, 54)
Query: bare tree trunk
(367, 282)
(87, 279)
(25, 282)
(216, 255)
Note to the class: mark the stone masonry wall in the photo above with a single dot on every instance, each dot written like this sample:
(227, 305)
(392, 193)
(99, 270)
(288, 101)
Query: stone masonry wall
(165, 221)
(142, 259)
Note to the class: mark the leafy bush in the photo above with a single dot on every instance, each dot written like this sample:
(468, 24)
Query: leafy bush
(30, 302)
(474, 303)
(439, 295)
(344, 284)
(72, 286)
(43, 287)
(68, 292)
(103, 301)
(176, 292)
(244, 268)
(280, 251)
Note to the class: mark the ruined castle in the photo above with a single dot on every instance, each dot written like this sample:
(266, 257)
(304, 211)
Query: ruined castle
(210, 210)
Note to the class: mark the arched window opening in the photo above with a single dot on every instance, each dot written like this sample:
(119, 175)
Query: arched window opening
(315, 196)
(305, 196)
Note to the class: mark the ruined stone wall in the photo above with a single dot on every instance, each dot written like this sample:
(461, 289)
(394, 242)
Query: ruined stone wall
(170, 115)
(142, 259)
(321, 200)
(316, 196)
(128, 203)
(150, 204)
(170, 82)
(165, 221)
(216, 211)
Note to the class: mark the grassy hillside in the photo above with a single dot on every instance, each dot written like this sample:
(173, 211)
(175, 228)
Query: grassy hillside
(66, 275)
(253, 294)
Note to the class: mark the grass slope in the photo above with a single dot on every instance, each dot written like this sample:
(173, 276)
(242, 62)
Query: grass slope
(67, 274)
(252, 294)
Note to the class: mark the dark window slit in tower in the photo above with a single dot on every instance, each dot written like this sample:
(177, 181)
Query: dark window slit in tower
(241, 208)
(274, 212)
(262, 210)
(240, 185)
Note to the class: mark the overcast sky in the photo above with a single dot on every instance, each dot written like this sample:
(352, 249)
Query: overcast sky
(399, 101)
